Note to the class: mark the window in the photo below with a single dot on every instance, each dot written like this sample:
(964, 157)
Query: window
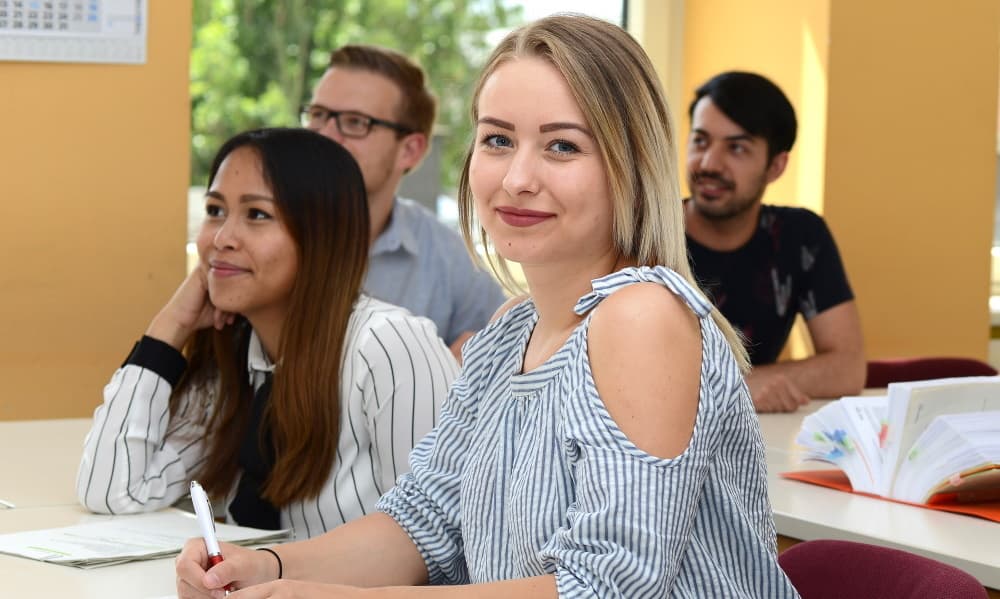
(248, 72)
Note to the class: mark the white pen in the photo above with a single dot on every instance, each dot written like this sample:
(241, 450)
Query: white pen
(203, 511)
(6, 504)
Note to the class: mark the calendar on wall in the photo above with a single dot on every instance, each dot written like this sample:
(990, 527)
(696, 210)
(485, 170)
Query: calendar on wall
(105, 31)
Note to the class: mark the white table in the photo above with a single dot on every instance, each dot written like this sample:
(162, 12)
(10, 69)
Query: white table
(40, 458)
(39, 470)
(24, 577)
(38, 475)
(804, 511)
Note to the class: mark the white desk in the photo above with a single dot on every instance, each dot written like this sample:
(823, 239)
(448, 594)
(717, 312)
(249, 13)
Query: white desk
(40, 458)
(801, 511)
(23, 577)
(38, 475)
(804, 511)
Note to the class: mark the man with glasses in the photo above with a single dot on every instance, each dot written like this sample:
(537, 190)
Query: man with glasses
(375, 103)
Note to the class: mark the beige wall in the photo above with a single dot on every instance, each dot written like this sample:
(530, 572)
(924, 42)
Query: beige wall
(659, 27)
(94, 163)
(897, 103)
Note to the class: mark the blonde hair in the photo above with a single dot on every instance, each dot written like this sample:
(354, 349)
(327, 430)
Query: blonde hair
(616, 87)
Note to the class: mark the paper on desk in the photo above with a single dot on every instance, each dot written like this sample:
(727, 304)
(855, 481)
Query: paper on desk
(119, 539)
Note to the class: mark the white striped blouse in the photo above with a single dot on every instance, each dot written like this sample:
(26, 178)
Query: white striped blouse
(528, 474)
(395, 376)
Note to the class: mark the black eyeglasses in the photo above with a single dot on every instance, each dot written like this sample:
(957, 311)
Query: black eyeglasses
(349, 123)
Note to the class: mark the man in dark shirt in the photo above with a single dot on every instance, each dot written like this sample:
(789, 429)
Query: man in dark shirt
(762, 265)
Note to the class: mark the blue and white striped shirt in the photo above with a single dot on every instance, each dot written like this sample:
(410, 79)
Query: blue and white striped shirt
(527, 474)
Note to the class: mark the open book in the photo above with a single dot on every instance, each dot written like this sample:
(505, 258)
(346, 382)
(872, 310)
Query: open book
(931, 441)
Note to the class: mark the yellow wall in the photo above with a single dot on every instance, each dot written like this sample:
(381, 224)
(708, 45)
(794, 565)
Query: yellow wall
(911, 168)
(897, 107)
(94, 180)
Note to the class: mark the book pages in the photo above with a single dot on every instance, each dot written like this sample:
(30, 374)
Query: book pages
(913, 405)
(952, 455)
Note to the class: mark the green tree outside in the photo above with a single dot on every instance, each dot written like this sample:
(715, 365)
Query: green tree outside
(253, 62)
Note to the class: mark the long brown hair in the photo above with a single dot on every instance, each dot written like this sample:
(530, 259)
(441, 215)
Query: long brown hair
(614, 83)
(320, 195)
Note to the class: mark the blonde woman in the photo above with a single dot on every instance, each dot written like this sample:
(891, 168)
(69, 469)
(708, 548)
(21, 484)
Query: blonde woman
(600, 440)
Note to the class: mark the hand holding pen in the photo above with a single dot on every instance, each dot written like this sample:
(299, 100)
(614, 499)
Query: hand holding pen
(203, 511)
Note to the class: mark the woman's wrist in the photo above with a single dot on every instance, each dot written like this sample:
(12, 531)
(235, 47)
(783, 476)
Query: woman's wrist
(168, 331)
(279, 567)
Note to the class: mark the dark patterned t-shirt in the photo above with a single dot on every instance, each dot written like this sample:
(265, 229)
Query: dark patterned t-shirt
(790, 265)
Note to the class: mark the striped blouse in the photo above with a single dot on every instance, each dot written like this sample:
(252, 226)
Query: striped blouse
(527, 474)
(395, 376)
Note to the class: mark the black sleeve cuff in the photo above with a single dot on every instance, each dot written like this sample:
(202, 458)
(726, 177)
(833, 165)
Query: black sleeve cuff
(158, 356)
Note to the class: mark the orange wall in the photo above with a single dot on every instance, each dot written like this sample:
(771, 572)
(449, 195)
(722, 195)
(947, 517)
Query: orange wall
(94, 178)
(911, 168)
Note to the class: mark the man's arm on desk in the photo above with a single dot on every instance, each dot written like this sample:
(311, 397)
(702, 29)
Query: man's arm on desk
(837, 368)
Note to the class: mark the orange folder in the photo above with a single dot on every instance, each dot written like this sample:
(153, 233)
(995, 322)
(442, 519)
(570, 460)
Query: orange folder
(836, 479)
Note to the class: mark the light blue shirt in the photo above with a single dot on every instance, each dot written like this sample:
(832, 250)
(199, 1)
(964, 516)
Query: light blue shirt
(422, 265)
(527, 474)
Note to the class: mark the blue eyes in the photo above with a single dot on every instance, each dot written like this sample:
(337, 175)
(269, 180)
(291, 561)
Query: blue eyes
(563, 147)
(499, 141)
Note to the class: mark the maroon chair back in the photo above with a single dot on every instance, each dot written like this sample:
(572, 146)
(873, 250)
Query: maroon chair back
(825, 569)
(883, 372)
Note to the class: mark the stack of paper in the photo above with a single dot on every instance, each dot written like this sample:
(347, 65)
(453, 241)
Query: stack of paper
(120, 539)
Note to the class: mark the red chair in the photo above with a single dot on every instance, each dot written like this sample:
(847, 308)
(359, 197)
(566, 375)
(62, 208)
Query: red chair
(825, 569)
(883, 372)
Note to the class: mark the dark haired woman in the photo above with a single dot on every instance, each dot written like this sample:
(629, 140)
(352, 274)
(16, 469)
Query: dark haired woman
(269, 376)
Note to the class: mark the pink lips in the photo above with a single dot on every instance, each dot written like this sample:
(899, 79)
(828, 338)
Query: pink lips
(225, 269)
(518, 217)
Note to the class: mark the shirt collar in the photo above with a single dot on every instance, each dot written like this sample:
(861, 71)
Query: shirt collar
(399, 232)
(257, 360)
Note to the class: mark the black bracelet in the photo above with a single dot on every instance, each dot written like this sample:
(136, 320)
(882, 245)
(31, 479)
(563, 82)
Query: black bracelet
(276, 556)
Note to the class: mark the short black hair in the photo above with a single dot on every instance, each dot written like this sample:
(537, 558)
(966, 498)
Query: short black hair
(754, 103)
